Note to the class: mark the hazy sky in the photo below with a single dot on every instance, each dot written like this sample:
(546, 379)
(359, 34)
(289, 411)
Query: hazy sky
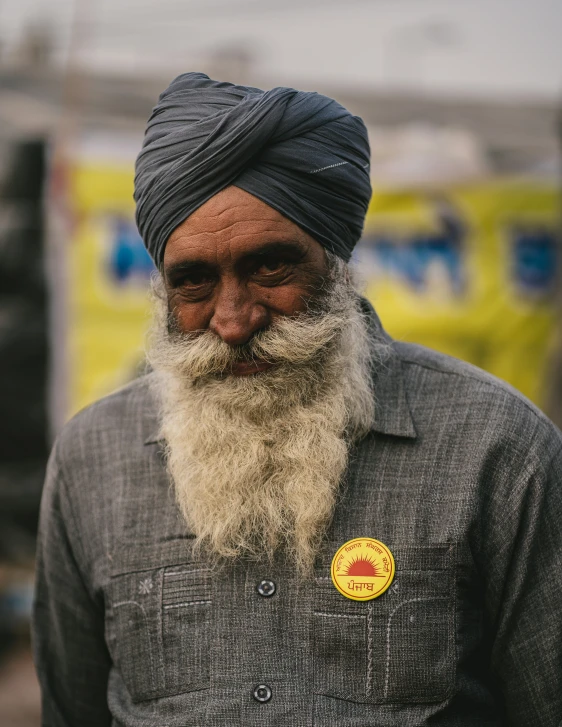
(497, 47)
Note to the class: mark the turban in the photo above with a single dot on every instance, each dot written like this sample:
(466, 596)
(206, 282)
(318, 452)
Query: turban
(301, 153)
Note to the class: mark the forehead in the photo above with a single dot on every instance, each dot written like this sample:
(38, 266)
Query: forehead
(233, 223)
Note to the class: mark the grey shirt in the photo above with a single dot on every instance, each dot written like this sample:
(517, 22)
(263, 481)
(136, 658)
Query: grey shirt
(461, 477)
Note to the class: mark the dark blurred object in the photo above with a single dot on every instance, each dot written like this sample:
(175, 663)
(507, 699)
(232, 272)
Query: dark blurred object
(37, 45)
(23, 348)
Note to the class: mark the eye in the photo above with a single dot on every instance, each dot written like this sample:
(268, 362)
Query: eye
(196, 278)
(271, 265)
(193, 282)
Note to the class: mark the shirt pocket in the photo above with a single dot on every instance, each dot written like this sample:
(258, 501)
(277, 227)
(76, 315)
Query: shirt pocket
(398, 648)
(157, 624)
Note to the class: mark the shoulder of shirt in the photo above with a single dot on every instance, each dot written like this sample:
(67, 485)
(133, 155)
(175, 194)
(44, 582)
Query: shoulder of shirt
(126, 414)
(136, 392)
(475, 382)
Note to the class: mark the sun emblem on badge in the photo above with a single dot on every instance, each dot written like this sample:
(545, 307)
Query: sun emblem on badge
(362, 566)
(362, 569)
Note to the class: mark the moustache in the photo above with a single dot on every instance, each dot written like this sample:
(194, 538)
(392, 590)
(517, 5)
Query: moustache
(297, 341)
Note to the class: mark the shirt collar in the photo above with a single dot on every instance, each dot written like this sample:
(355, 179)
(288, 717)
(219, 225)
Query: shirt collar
(392, 411)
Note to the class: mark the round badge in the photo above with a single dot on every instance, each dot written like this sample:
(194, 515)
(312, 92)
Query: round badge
(362, 569)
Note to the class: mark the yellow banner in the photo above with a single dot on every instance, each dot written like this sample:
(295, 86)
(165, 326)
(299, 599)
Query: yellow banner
(469, 271)
(109, 271)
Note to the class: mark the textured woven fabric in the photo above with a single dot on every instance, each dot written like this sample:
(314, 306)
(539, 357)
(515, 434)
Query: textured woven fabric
(460, 477)
(300, 152)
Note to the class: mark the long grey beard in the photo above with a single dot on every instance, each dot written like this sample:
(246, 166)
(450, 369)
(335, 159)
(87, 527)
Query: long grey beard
(257, 461)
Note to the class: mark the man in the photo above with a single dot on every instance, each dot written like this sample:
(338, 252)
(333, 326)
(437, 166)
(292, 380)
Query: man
(293, 520)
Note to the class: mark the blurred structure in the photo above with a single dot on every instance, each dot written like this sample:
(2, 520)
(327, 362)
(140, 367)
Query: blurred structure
(23, 374)
(24, 444)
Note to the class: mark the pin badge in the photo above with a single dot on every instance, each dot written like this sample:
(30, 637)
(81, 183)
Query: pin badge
(362, 569)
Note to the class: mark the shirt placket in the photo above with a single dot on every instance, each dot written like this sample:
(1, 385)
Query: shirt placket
(261, 655)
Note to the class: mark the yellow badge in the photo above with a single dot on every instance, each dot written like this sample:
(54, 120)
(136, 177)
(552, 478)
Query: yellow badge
(362, 569)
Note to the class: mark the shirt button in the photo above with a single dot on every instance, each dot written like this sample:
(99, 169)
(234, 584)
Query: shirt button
(266, 588)
(262, 693)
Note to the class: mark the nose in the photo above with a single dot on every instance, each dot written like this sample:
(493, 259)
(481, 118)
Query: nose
(237, 316)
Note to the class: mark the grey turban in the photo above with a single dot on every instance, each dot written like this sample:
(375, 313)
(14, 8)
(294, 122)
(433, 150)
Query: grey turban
(301, 153)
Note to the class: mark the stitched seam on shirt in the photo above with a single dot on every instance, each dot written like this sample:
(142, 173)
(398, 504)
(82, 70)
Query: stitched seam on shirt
(389, 624)
(160, 632)
(369, 649)
(338, 615)
(187, 603)
(186, 572)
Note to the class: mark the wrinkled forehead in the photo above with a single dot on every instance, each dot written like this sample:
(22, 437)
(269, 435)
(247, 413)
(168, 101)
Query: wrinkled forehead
(232, 224)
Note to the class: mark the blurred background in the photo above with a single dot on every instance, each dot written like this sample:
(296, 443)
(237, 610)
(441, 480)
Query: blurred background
(461, 249)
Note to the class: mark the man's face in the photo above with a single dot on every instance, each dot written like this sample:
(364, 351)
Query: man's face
(235, 265)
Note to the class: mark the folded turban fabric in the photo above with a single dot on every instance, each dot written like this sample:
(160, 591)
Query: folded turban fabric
(303, 154)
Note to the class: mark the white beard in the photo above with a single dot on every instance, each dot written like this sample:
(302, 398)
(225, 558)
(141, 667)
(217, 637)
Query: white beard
(257, 461)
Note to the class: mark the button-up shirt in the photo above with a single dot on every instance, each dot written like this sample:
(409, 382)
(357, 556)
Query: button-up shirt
(460, 478)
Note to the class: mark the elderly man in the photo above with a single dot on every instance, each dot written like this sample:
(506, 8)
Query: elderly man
(293, 520)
